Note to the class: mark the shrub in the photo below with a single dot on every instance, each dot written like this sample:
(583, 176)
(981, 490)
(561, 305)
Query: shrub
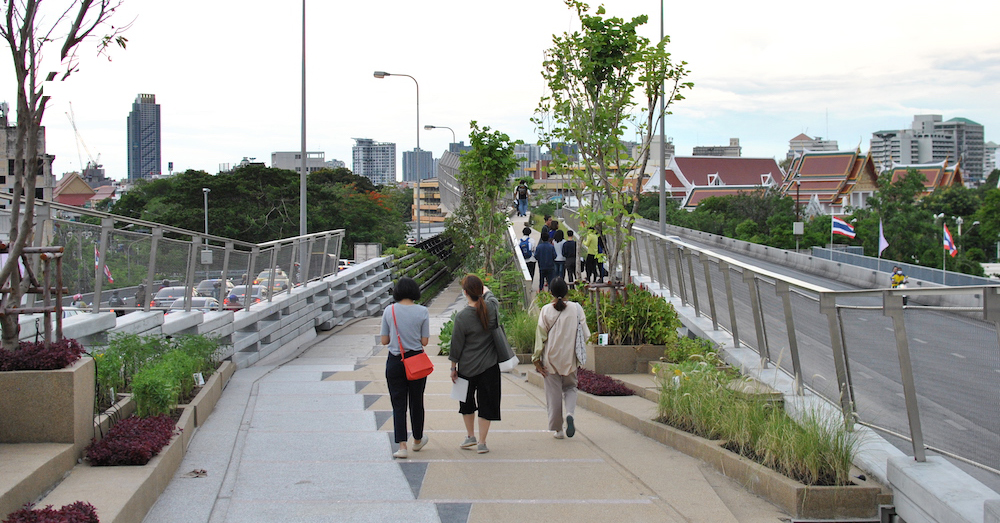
(600, 385)
(77, 512)
(444, 338)
(686, 347)
(181, 367)
(203, 349)
(132, 441)
(520, 328)
(642, 318)
(155, 390)
(36, 356)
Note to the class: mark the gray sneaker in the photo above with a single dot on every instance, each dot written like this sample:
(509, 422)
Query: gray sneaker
(482, 449)
(470, 441)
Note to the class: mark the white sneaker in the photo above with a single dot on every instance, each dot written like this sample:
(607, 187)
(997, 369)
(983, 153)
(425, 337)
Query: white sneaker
(419, 443)
(400, 454)
(559, 435)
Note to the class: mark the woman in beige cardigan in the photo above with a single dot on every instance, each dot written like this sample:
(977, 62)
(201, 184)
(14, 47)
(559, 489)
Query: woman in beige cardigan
(555, 355)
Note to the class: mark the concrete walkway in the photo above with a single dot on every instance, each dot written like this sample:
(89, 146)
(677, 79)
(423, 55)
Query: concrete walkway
(307, 437)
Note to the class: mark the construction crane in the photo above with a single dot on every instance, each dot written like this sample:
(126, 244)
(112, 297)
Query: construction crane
(93, 163)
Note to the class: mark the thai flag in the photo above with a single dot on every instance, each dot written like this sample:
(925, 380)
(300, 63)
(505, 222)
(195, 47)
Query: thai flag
(842, 227)
(949, 243)
(97, 263)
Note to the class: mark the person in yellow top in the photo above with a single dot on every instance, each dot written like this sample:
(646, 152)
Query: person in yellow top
(898, 279)
(590, 265)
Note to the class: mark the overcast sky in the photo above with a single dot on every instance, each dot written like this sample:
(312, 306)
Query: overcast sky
(227, 73)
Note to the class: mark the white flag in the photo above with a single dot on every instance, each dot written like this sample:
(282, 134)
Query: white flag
(883, 244)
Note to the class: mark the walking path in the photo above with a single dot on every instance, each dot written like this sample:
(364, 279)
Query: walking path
(307, 437)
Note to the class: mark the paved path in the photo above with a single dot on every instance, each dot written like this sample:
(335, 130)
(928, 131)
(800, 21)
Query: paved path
(307, 437)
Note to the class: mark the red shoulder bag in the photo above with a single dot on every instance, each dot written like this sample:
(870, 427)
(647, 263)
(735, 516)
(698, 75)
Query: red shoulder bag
(417, 366)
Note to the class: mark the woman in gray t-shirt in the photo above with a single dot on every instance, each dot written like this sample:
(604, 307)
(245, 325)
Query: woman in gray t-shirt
(413, 324)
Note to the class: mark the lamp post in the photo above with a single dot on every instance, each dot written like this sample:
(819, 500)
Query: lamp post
(383, 74)
(303, 174)
(206, 190)
(944, 260)
(429, 127)
(663, 145)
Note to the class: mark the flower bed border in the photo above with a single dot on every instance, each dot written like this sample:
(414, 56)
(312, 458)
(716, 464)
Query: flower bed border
(796, 499)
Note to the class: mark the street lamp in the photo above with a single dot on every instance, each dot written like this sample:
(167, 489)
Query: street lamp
(206, 190)
(429, 127)
(383, 74)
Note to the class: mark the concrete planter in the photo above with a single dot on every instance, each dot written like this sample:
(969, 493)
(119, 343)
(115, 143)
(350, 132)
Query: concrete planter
(204, 402)
(48, 406)
(622, 359)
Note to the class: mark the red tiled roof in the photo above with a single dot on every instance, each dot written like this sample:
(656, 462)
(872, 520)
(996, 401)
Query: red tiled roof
(838, 164)
(732, 171)
(700, 193)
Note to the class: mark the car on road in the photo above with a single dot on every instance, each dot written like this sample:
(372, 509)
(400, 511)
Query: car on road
(257, 294)
(208, 289)
(281, 281)
(198, 303)
(166, 296)
(343, 264)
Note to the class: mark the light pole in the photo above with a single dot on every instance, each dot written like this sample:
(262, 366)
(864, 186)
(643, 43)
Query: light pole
(944, 252)
(303, 174)
(429, 127)
(663, 145)
(206, 190)
(383, 74)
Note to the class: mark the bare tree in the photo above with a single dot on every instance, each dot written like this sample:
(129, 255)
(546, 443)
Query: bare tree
(29, 30)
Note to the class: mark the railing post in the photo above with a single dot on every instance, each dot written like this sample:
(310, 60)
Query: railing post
(661, 262)
(271, 272)
(892, 306)
(678, 254)
(196, 243)
(708, 284)
(106, 225)
(991, 308)
(828, 306)
(636, 253)
(724, 267)
(694, 288)
(326, 254)
(758, 317)
(781, 288)
(225, 267)
(154, 244)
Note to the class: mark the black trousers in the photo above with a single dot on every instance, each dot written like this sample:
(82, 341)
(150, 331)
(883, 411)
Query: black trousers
(403, 393)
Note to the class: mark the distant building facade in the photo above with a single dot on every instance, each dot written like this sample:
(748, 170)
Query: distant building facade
(733, 150)
(929, 140)
(374, 160)
(144, 160)
(417, 165)
(989, 157)
(803, 143)
(292, 161)
(527, 154)
(44, 181)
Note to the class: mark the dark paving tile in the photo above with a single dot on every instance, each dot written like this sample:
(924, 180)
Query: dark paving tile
(414, 473)
(326, 375)
(382, 416)
(358, 385)
(370, 399)
(453, 512)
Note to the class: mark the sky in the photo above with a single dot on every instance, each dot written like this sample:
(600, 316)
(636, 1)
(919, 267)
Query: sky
(227, 74)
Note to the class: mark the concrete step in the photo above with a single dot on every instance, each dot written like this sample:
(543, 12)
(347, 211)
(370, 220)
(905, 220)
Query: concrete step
(29, 470)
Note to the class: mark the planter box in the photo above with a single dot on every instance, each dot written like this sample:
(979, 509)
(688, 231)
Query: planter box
(121, 410)
(622, 359)
(48, 406)
(524, 359)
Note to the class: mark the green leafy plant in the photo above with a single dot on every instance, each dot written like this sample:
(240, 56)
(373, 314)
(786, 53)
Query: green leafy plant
(686, 347)
(642, 318)
(155, 390)
(520, 328)
(444, 338)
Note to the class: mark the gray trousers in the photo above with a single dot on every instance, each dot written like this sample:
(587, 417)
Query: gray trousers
(557, 389)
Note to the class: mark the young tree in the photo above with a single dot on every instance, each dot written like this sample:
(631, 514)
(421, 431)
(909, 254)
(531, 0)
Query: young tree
(29, 30)
(484, 172)
(593, 76)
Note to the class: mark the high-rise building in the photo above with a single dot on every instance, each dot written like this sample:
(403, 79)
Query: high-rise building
(989, 157)
(292, 161)
(144, 159)
(44, 181)
(733, 150)
(417, 165)
(374, 160)
(527, 155)
(802, 143)
(929, 140)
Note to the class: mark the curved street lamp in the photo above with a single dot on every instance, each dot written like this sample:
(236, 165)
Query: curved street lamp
(429, 127)
(383, 74)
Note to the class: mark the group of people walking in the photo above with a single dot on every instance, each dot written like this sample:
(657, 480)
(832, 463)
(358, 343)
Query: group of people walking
(474, 357)
(556, 254)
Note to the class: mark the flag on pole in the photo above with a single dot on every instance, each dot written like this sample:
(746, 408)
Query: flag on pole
(97, 263)
(883, 244)
(949, 243)
(842, 227)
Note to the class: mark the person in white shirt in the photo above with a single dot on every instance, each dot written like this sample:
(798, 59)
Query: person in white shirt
(558, 240)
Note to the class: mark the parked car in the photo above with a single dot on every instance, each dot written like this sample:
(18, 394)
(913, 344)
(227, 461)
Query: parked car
(257, 294)
(207, 288)
(343, 264)
(198, 303)
(166, 296)
(281, 281)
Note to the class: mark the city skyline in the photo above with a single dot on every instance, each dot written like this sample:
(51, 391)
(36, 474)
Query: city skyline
(763, 74)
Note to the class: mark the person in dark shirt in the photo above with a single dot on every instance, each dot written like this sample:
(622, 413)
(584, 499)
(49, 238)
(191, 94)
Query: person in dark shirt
(569, 252)
(545, 257)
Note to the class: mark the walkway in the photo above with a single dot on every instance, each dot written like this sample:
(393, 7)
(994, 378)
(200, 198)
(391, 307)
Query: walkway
(307, 437)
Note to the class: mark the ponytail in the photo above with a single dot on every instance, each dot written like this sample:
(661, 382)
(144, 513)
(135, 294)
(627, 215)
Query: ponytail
(559, 290)
(473, 288)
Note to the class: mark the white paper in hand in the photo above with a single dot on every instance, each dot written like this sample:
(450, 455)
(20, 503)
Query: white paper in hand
(460, 389)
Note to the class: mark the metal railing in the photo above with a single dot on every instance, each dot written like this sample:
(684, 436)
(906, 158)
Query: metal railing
(922, 371)
(141, 257)
(917, 272)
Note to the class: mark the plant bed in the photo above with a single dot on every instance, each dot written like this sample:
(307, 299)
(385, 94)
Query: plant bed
(78, 512)
(621, 359)
(601, 385)
(132, 441)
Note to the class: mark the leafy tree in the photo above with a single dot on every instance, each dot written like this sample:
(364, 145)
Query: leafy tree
(480, 221)
(592, 76)
(29, 28)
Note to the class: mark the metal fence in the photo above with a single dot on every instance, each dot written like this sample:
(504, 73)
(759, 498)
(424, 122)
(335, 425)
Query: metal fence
(917, 272)
(108, 255)
(927, 373)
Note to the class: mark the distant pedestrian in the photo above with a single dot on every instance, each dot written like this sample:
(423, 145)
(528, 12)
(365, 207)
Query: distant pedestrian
(521, 194)
(557, 243)
(545, 227)
(527, 247)
(555, 356)
(545, 255)
(140, 295)
(164, 284)
(474, 358)
(116, 303)
(590, 244)
(569, 252)
(409, 323)
(553, 227)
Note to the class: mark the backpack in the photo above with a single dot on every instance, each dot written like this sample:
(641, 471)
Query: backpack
(522, 191)
(569, 249)
(525, 248)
